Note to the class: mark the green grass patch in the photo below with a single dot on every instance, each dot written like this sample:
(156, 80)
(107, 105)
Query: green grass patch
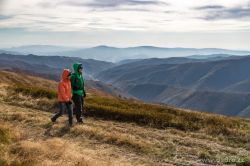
(157, 115)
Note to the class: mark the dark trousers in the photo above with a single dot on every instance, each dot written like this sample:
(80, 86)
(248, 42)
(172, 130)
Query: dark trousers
(79, 102)
(68, 108)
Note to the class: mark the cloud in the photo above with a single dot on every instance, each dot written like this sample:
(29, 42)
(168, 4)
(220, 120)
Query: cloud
(218, 12)
(100, 3)
(107, 5)
(74, 3)
(208, 7)
(117, 3)
(234, 13)
(45, 4)
(1, 4)
(130, 15)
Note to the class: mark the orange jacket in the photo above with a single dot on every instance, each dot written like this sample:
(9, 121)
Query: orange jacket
(64, 87)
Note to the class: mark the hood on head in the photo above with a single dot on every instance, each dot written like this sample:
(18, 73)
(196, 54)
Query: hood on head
(76, 67)
(65, 74)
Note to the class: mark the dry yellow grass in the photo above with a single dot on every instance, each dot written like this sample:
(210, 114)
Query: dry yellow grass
(34, 140)
(12, 78)
(47, 144)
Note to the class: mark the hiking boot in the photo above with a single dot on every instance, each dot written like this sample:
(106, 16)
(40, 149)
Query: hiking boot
(52, 120)
(80, 121)
(70, 125)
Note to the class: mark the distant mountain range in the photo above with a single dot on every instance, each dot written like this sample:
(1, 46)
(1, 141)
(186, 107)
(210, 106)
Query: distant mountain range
(219, 86)
(113, 54)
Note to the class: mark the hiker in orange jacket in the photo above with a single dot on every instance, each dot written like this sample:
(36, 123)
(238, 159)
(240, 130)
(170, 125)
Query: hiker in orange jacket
(64, 96)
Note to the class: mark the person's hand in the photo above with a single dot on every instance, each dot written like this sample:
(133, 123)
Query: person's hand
(69, 102)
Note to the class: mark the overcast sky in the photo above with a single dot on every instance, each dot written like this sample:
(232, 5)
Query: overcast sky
(122, 23)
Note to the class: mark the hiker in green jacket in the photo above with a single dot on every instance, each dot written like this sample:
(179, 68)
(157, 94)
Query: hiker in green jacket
(78, 91)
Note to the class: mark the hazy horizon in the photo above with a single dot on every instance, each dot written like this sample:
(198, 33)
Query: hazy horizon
(132, 46)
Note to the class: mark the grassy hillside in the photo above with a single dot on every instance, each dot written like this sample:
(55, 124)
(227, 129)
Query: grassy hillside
(12, 78)
(222, 83)
(116, 132)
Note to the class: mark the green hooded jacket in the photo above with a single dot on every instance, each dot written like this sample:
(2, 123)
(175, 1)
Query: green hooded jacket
(77, 81)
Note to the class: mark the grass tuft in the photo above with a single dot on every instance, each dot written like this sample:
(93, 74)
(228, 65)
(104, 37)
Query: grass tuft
(4, 135)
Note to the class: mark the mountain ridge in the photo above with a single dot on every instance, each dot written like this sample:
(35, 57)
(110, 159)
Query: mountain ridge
(115, 54)
(219, 81)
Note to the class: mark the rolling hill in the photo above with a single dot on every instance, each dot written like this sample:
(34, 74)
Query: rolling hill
(195, 85)
(50, 65)
(115, 132)
(215, 75)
